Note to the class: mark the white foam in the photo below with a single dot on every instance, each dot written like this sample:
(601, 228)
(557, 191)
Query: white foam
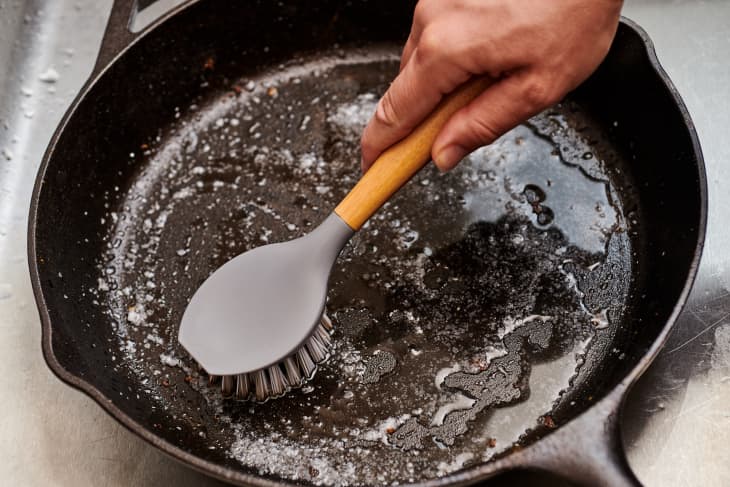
(600, 319)
(460, 402)
(169, 360)
(443, 373)
(385, 428)
(354, 116)
(455, 464)
(492, 353)
(137, 315)
(510, 324)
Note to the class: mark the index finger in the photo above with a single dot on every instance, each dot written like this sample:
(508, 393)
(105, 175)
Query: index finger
(414, 93)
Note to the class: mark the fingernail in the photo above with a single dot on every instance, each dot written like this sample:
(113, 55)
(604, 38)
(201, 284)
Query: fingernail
(449, 156)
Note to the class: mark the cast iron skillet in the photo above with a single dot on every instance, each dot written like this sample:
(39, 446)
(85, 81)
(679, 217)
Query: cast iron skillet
(138, 81)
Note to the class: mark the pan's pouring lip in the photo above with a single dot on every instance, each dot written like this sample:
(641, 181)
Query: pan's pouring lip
(467, 476)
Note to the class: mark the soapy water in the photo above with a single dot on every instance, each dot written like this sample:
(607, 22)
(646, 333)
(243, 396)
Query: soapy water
(459, 310)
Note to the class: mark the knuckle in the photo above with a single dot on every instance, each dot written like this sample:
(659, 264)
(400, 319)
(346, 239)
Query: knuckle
(422, 11)
(430, 45)
(538, 93)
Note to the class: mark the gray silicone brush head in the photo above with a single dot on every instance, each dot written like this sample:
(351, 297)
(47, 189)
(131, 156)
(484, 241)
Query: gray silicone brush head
(275, 380)
(259, 308)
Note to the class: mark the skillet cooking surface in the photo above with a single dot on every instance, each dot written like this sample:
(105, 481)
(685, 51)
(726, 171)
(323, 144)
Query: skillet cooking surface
(469, 312)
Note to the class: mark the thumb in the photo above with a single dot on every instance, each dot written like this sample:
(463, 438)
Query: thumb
(501, 107)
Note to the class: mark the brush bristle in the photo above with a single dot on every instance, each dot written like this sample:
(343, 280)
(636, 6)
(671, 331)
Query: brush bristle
(227, 384)
(305, 362)
(277, 381)
(243, 385)
(261, 384)
(290, 373)
(293, 375)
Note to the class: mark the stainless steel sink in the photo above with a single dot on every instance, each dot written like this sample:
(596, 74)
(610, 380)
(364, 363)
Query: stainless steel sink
(677, 420)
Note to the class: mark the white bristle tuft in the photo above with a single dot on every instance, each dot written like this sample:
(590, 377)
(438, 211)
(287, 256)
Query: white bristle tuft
(227, 385)
(277, 381)
(306, 365)
(323, 335)
(316, 348)
(326, 322)
(243, 389)
(293, 376)
(261, 383)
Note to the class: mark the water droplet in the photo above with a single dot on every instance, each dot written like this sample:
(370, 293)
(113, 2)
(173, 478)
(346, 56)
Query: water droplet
(545, 217)
(534, 194)
(6, 291)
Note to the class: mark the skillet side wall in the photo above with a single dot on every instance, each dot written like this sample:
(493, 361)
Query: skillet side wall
(138, 94)
(660, 183)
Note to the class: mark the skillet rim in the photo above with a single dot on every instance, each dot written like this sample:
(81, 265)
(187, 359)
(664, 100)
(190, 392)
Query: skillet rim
(467, 476)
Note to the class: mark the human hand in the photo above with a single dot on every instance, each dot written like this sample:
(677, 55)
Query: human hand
(536, 51)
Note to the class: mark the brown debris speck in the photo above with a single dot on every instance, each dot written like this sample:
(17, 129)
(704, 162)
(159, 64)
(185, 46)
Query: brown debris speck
(313, 471)
(479, 363)
(548, 421)
(492, 442)
(165, 383)
(272, 92)
(209, 64)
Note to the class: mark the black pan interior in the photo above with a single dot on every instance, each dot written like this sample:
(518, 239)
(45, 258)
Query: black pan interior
(544, 267)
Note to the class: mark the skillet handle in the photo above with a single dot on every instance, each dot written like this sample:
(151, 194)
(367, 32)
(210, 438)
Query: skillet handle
(117, 34)
(588, 451)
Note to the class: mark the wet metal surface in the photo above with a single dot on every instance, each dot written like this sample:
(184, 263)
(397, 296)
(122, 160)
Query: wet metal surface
(677, 426)
(677, 421)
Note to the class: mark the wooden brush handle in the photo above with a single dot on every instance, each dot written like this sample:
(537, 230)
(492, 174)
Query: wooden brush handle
(399, 163)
